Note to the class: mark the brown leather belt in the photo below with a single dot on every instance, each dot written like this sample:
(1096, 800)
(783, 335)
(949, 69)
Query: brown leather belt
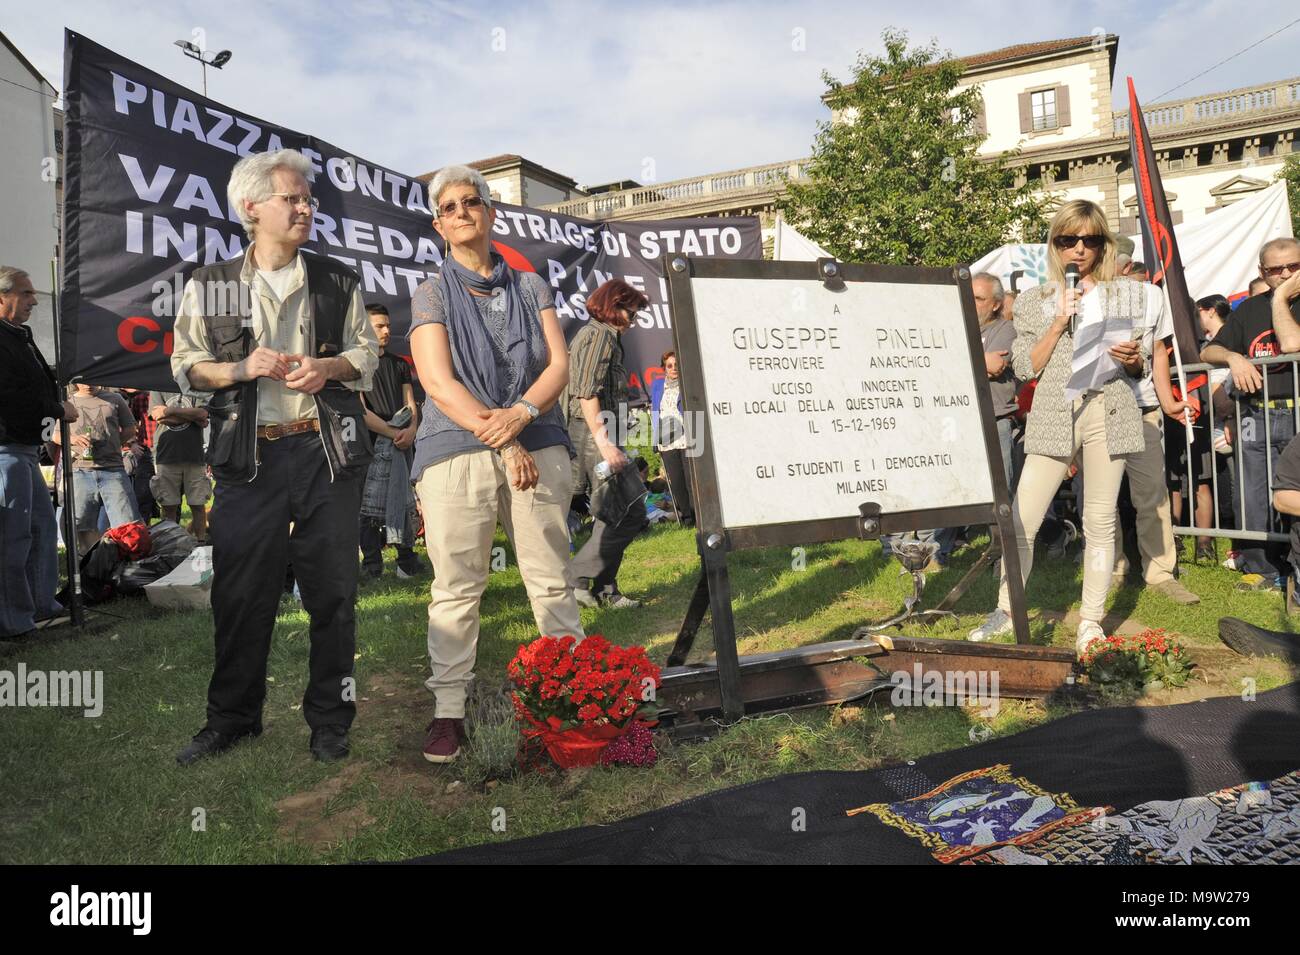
(271, 432)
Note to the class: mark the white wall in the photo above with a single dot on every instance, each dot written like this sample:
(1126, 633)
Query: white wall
(1067, 192)
(541, 193)
(505, 186)
(1002, 107)
(27, 231)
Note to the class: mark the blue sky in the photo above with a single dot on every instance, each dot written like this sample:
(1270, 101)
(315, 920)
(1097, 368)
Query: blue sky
(610, 91)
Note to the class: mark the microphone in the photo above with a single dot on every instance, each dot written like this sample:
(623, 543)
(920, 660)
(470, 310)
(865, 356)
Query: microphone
(1072, 283)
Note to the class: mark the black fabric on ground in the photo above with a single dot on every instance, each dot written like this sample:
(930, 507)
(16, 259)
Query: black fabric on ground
(1112, 757)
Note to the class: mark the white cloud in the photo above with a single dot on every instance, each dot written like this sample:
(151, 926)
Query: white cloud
(593, 90)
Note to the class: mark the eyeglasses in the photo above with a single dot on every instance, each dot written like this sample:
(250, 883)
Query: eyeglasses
(1093, 242)
(468, 203)
(295, 201)
(1274, 270)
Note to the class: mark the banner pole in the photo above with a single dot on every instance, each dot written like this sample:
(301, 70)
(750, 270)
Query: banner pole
(65, 460)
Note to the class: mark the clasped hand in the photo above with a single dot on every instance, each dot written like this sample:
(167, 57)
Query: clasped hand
(500, 426)
(298, 372)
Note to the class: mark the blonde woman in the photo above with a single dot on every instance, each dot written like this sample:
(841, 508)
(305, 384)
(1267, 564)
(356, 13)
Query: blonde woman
(1102, 424)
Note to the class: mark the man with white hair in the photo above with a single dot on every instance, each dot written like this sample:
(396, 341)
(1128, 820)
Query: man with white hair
(1267, 426)
(30, 409)
(281, 341)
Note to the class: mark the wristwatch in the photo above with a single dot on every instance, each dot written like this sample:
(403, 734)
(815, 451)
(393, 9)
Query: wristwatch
(529, 407)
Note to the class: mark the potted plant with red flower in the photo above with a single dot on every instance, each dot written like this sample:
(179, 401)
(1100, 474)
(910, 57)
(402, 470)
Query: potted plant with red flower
(576, 696)
(1151, 660)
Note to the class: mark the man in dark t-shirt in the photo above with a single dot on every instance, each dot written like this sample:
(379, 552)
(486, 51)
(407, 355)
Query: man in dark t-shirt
(1267, 424)
(178, 456)
(393, 418)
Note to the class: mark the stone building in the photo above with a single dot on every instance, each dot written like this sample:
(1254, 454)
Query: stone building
(1052, 100)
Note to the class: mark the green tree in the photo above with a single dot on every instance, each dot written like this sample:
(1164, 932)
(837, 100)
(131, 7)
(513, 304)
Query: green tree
(898, 178)
(1290, 174)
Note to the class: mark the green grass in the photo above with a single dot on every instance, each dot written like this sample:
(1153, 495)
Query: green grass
(107, 790)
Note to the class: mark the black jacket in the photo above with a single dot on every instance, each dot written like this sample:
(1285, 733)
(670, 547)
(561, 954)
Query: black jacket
(232, 412)
(29, 395)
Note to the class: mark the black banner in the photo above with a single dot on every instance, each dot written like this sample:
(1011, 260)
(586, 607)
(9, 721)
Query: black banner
(146, 167)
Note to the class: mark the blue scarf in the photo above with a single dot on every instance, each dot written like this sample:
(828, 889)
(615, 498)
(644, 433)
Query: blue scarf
(473, 356)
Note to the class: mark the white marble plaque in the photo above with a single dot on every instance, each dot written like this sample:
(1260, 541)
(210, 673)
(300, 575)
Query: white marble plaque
(819, 401)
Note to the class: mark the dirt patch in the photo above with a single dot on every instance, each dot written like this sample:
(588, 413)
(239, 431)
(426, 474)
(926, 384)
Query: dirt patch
(391, 707)
(1112, 624)
(304, 817)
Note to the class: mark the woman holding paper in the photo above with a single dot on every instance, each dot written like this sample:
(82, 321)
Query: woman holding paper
(1083, 404)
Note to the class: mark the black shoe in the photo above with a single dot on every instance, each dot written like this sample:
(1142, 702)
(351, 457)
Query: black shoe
(374, 573)
(211, 742)
(1252, 641)
(329, 743)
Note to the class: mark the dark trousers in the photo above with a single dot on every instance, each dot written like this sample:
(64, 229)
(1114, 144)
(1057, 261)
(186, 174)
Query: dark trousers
(602, 555)
(252, 546)
(140, 477)
(678, 485)
(372, 535)
(1259, 557)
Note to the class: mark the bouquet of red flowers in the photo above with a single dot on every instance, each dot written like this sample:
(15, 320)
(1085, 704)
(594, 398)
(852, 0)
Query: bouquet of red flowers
(1151, 660)
(576, 696)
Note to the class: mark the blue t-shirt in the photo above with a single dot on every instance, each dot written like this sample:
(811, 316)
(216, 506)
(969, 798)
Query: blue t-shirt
(440, 438)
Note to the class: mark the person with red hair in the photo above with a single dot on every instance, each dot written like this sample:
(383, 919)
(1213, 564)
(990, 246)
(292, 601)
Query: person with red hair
(598, 400)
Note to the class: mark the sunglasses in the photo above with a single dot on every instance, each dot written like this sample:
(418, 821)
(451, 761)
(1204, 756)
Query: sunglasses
(1064, 242)
(1273, 270)
(469, 202)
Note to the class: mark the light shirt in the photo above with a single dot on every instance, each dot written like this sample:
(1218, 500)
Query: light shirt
(282, 319)
(671, 424)
(1159, 326)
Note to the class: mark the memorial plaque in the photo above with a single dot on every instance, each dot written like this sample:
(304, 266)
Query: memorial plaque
(820, 399)
(828, 401)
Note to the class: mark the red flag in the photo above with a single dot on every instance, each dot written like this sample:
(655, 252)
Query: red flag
(1158, 242)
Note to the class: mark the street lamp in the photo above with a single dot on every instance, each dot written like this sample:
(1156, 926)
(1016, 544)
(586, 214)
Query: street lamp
(215, 60)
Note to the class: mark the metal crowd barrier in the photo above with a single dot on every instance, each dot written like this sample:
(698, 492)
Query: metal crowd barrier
(1262, 396)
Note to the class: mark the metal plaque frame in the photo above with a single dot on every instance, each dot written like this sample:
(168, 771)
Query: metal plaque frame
(715, 540)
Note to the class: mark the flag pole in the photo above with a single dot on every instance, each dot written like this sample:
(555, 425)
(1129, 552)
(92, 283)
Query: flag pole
(65, 461)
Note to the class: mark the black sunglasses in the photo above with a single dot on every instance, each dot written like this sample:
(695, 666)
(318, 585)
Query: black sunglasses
(448, 209)
(1064, 242)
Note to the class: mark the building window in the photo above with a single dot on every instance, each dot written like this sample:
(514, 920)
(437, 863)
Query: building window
(1043, 104)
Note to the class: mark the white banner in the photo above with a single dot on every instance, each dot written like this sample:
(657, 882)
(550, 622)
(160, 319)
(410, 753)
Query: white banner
(791, 245)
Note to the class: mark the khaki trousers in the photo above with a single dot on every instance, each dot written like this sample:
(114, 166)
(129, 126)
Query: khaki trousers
(1150, 495)
(462, 499)
(1039, 481)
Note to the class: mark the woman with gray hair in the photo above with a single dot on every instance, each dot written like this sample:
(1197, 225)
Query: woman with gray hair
(491, 355)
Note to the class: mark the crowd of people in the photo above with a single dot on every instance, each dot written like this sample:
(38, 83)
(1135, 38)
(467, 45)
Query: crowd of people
(321, 443)
(318, 448)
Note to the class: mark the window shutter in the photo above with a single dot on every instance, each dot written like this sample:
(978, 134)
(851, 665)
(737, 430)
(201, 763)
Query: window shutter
(1026, 114)
(1063, 106)
(982, 123)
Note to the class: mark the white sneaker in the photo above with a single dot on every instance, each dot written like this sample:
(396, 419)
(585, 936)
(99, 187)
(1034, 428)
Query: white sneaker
(1089, 630)
(995, 625)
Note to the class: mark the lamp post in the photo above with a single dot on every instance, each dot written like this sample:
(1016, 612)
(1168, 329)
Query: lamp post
(215, 60)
